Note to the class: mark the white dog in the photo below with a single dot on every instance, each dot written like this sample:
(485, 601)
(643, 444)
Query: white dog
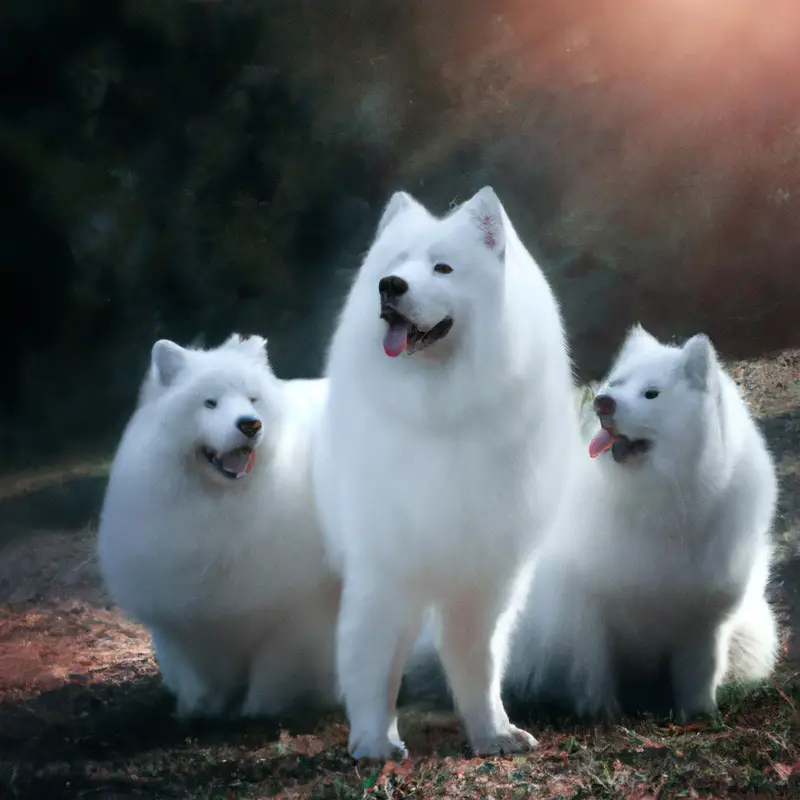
(443, 449)
(661, 555)
(209, 534)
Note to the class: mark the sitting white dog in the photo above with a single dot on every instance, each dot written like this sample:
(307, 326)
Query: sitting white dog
(660, 558)
(209, 534)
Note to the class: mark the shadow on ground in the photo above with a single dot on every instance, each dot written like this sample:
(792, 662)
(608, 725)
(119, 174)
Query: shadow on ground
(83, 738)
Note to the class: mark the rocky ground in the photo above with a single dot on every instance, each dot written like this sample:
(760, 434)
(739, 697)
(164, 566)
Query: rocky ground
(83, 712)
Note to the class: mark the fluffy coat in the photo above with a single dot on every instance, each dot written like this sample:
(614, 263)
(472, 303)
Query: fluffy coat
(659, 560)
(209, 535)
(442, 452)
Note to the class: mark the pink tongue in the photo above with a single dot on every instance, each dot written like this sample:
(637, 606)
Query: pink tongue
(239, 461)
(601, 442)
(396, 339)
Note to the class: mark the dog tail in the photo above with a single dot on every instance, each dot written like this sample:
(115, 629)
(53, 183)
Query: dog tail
(755, 642)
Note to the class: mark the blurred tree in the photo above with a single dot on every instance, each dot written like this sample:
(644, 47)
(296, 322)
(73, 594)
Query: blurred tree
(177, 168)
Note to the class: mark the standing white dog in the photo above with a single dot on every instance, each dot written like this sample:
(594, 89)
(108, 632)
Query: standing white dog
(443, 449)
(209, 533)
(662, 552)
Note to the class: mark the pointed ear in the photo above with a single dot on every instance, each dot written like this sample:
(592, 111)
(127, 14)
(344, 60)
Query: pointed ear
(698, 360)
(636, 333)
(486, 211)
(635, 337)
(398, 203)
(167, 360)
(255, 346)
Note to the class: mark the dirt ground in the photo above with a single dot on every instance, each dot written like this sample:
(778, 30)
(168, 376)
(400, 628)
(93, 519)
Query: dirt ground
(83, 713)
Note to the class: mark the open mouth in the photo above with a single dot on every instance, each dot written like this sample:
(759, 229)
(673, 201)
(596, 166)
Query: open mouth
(622, 448)
(235, 464)
(403, 336)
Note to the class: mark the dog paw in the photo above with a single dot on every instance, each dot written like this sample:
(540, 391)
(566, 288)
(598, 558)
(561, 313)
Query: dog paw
(509, 740)
(379, 749)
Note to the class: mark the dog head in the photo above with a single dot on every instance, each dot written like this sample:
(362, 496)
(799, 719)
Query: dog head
(436, 281)
(654, 404)
(215, 403)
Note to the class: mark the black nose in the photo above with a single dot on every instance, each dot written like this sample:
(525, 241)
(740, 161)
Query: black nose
(604, 404)
(249, 426)
(392, 287)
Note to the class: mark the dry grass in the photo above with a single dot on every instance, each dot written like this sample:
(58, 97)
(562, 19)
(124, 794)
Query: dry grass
(94, 721)
(83, 712)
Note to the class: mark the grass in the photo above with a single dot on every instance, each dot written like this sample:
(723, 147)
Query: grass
(83, 713)
(754, 751)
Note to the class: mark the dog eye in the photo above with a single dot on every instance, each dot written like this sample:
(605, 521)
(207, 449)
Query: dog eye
(651, 394)
(443, 269)
(253, 400)
(210, 403)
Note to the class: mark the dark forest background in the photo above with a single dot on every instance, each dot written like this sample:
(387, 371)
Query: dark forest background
(170, 168)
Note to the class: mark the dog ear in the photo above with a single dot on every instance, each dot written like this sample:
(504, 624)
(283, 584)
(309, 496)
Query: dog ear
(167, 361)
(486, 211)
(635, 337)
(251, 344)
(398, 203)
(699, 360)
(636, 333)
(257, 345)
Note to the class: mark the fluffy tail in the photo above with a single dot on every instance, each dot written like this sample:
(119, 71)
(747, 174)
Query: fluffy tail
(754, 644)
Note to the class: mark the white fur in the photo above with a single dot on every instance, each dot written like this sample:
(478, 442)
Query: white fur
(230, 575)
(435, 471)
(663, 556)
